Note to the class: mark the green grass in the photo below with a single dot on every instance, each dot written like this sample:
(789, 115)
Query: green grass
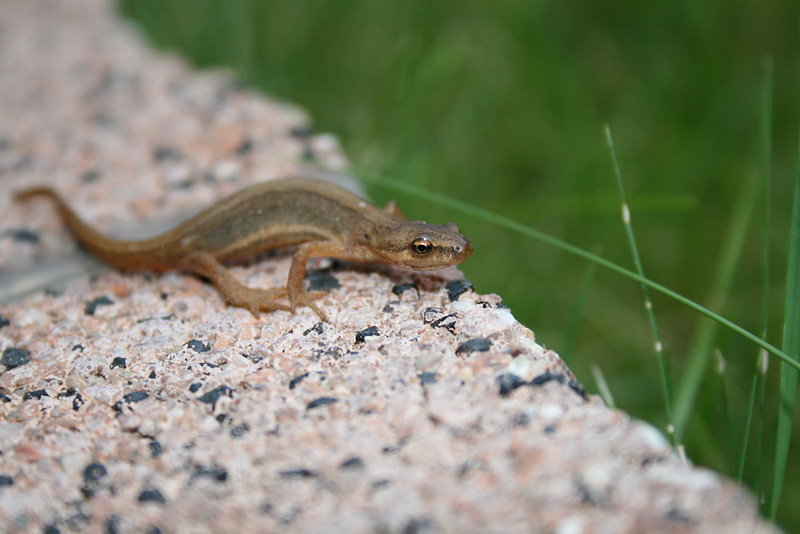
(502, 105)
(648, 303)
(791, 345)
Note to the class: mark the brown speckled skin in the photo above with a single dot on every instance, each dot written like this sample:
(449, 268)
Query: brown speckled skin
(324, 219)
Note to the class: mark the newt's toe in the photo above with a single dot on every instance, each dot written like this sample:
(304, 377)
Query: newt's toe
(306, 299)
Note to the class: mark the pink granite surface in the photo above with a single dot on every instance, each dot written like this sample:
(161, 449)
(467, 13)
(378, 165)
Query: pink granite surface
(143, 403)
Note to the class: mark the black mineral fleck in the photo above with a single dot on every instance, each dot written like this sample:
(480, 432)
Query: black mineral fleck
(352, 463)
(329, 352)
(240, 430)
(546, 377)
(296, 380)
(195, 386)
(136, 396)
(428, 378)
(298, 473)
(520, 419)
(456, 288)
(94, 472)
(479, 344)
(369, 331)
(167, 153)
(317, 328)
(22, 235)
(321, 401)
(155, 448)
(302, 131)
(677, 515)
(419, 526)
(400, 289)
(6, 480)
(508, 382)
(94, 476)
(429, 314)
(322, 280)
(211, 397)
(245, 147)
(308, 154)
(577, 387)
(152, 495)
(4, 321)
(90, 176)
(448, 322)
(120, 362)
(14, 357)
(215, 473)
(112, 524)
(198, 346)
(36, 394)
(92, 305)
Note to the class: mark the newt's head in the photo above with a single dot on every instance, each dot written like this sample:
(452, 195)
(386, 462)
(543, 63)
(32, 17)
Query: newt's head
(422, 246)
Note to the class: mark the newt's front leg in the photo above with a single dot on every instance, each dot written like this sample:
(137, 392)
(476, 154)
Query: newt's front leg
(297, 272)
(319, 249)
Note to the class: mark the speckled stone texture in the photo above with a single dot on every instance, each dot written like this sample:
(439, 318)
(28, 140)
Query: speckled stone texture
(143, 403)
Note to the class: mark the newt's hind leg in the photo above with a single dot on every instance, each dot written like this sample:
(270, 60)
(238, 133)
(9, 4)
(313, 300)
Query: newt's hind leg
(252, 299)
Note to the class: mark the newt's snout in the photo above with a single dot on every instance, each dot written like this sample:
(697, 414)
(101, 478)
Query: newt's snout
(462, 252)
(461, 248)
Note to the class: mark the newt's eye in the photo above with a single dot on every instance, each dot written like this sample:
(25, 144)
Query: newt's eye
(421, 246)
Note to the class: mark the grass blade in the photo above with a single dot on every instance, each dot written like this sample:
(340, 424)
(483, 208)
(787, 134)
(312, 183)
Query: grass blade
(602, 386)
(648, 304)
(759, 373)
(727, 405)
(758, 378)
(791, 346)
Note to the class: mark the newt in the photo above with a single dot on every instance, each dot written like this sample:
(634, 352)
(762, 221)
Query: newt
(321, 219)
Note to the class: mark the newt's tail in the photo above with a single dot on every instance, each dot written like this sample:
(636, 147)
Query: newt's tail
(120, 254)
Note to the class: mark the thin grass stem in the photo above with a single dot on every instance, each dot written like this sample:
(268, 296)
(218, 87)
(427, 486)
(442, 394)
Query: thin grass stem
(727, 405)
(648, 303)
(602, 386)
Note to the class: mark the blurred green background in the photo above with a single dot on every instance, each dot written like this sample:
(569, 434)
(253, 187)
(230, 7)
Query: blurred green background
(503, 104)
